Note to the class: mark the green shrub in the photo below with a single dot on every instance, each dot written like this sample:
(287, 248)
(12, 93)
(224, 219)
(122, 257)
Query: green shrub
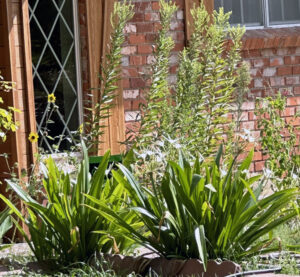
(203, 211)
(278, 140)
(64, 229)
(7, 122)
(210, 72)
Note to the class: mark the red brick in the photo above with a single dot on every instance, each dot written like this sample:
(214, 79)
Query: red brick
(130, 72)
(173, 69)
(249, 125)
(297, 90)
(247, 106)
(145, 49)
(277, 81)
(293, 101)
(292, 80)
(296, 69)
(136, 104)
(276, 61)
(138, 17)
(180, 36)
(251, 53)
(137, 60)
(145, 27)
(151, 38)
(128, 50)
(136, 39)
(257, 156)
(142, 6)
(157, 26)
(285, 70)
(125, 83)
(127, 105)
(268, 52)
(137, 83)
(261, 62)
(291, 60)
(177, 25)
(155, 6)
(290, 111)
(259, 166)
(178, 46)
(251, 116)
(152, 17)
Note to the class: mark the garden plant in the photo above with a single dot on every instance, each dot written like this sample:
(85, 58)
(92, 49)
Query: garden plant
(181, 191)
(63, 229)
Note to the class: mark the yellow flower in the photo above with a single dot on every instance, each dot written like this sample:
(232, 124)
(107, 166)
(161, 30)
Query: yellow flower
(51, 98)
(81, 129)
(33, 137)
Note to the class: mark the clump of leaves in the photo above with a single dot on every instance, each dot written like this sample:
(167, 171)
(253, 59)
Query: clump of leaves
(109, 76)
(63, 229)
(7, 122)
(278, 138)
(203, 211)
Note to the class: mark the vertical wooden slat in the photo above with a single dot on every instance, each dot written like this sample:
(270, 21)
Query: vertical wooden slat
(189, 4)
(99, 30)
(19, 70)
(30, 105)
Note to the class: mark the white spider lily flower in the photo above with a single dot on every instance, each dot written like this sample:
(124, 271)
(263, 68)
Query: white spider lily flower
(223, 172)
(268, 173)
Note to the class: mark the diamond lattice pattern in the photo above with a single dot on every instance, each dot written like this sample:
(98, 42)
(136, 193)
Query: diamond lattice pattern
(54, 71)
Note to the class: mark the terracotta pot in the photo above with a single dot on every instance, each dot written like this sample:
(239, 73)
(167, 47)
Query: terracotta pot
(124, 265)
(192, 267)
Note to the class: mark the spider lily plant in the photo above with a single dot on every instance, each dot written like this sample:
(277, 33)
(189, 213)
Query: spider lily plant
(64, 228)
(199, 211)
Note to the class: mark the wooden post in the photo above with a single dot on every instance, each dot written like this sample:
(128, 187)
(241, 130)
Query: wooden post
(99, 30)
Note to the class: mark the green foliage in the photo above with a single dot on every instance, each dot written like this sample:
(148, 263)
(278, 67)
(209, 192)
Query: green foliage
(5, 226)
(154, 120)
(210, 71)
(109, 77)
(203, 211)
(64, 229)
(7, 122)
(285, 260)
(278, 141)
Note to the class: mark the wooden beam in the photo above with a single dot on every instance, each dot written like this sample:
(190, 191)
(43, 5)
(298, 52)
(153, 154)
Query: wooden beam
(30, 104)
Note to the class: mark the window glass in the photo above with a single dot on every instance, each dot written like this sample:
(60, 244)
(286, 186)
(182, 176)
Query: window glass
(284, 11)
(54, 71)
(252, 12)
(247, 12)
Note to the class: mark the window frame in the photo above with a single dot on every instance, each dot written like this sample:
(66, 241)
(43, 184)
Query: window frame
(78, 69)
(266, 20)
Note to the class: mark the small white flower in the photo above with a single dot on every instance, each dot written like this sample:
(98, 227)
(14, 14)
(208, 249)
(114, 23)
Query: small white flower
(223, 172)
(268, 173)
(177, 145)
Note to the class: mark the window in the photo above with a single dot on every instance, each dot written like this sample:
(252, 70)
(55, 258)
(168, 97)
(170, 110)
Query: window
(54, 41)
(265, 13)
